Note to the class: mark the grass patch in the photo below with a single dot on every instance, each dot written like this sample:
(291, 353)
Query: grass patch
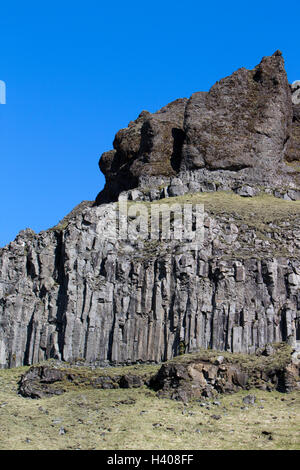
(248, 362)
(263, 208)
(256, 211)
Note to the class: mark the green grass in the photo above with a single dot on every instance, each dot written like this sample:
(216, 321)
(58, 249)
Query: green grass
(256, 211)
(267, 217)
(295, 165)
(267, 208)
(248, 362)
(137, 419)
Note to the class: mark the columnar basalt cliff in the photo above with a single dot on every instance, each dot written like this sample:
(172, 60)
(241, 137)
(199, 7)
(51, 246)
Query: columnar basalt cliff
(80, 292)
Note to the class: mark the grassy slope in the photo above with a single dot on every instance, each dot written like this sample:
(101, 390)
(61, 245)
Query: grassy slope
(264, 209)
(137, 419)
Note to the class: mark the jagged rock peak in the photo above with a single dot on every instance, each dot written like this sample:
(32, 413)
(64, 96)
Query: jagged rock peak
(245, 125)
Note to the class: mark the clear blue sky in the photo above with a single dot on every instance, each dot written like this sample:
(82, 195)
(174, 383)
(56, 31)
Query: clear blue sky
(77, 72)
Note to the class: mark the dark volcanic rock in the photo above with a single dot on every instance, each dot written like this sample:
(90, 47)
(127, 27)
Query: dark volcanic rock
(106, 383)
(150, 146)
(36, 382)
(293, 154)
(244, 120)
(131, 381)
(192, 378)
(195, 379)
(80, 292)
(288, 379)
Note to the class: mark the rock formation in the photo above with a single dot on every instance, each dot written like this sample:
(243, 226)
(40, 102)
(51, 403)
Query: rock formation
(182, 378)
(203, 375)
(244, 129)
(80, 291)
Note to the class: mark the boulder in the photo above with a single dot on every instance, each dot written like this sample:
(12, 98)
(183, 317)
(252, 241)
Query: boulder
(37, 381)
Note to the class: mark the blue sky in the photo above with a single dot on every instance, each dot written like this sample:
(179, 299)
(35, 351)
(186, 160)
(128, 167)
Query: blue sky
(77, 72)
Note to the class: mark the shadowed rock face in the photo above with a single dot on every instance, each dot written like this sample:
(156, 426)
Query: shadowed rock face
(38, 381)
(149, 146)
(245, 122)
(77, 291)
(294, 143)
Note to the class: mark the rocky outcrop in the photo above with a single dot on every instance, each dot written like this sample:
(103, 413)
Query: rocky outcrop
(243, 122)
(204, 376)
(38, 381)
(189, 376)
(293, 154)
(82, 291)
(149, 146)
(50, 380)
(244, 130)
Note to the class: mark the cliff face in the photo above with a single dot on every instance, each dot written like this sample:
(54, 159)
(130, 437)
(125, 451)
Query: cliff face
(82, 291)
(246, 128)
